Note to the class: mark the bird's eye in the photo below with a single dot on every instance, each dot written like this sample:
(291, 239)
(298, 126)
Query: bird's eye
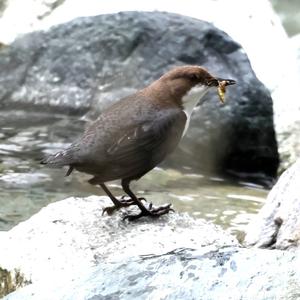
(193, 77)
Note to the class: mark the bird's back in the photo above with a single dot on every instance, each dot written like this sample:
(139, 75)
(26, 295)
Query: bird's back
(126, 141)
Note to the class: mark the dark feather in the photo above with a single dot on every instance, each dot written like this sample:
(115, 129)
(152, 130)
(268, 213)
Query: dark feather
(71, 168)
(140, 148)
(59, 159)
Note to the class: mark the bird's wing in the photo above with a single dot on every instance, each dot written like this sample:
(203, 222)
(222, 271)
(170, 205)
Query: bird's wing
(110, 149)
(144, 144)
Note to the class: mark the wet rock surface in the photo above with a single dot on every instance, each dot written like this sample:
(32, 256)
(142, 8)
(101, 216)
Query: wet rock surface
(69, 251)
(70, 237)
(87, 64)
(277, 224)
(76, 226)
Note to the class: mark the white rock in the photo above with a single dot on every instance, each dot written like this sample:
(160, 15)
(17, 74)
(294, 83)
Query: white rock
(277, 224)
(68, 237)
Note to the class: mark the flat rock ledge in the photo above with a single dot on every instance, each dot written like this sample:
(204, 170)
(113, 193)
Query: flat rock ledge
(70, 251)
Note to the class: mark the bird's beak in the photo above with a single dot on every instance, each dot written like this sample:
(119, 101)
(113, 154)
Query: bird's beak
(222, 83)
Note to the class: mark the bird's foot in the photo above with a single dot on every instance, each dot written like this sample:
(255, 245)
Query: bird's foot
(123, 202)
(150, 212)
(125, 197)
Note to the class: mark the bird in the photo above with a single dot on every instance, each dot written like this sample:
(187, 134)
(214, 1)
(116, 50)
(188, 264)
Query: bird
(136, 133)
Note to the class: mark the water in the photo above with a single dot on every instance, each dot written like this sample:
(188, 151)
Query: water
(26, 186)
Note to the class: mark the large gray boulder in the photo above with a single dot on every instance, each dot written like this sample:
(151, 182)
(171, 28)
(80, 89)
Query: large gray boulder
(277, 225)
(91, 62)
(70, 251)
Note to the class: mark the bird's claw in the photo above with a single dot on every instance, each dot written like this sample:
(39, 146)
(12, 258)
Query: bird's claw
(151, 212)
(109, 210)
(125, 197)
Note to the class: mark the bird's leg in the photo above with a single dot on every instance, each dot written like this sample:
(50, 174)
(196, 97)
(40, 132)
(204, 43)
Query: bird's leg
(117, 203)
(151, 212)
(123, 202)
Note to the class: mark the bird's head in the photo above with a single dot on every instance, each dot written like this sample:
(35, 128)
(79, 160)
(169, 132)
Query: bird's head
(193, 80)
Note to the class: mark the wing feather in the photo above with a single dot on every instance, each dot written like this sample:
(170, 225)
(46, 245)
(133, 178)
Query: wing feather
(140, 148)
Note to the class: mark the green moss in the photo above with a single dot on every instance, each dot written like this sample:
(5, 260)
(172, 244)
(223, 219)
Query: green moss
(10, 281)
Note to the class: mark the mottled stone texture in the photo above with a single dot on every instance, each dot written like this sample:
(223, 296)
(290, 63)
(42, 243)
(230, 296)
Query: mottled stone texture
(71, 252)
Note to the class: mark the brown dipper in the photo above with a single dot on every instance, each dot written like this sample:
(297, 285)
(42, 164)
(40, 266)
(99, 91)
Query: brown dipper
(135, 134)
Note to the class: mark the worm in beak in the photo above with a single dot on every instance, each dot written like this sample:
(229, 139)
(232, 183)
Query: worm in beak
(222, 83)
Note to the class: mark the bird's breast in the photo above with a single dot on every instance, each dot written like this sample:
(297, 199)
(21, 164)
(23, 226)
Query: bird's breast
(189, 102)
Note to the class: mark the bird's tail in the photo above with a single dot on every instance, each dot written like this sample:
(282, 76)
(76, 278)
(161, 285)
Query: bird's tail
(58, 160)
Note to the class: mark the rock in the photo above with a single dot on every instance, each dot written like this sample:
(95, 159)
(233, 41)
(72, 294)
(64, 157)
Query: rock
(183, 274)
(27, 19)
(71, 236)
(295, 42)
(69, 252)
(256, 16)
(3, 5)
(277, 224)
(288, 136)
(91, 62)
(289, 14)
(289, 145)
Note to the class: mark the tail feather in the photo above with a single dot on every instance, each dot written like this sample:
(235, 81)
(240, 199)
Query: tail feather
(59, 159)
